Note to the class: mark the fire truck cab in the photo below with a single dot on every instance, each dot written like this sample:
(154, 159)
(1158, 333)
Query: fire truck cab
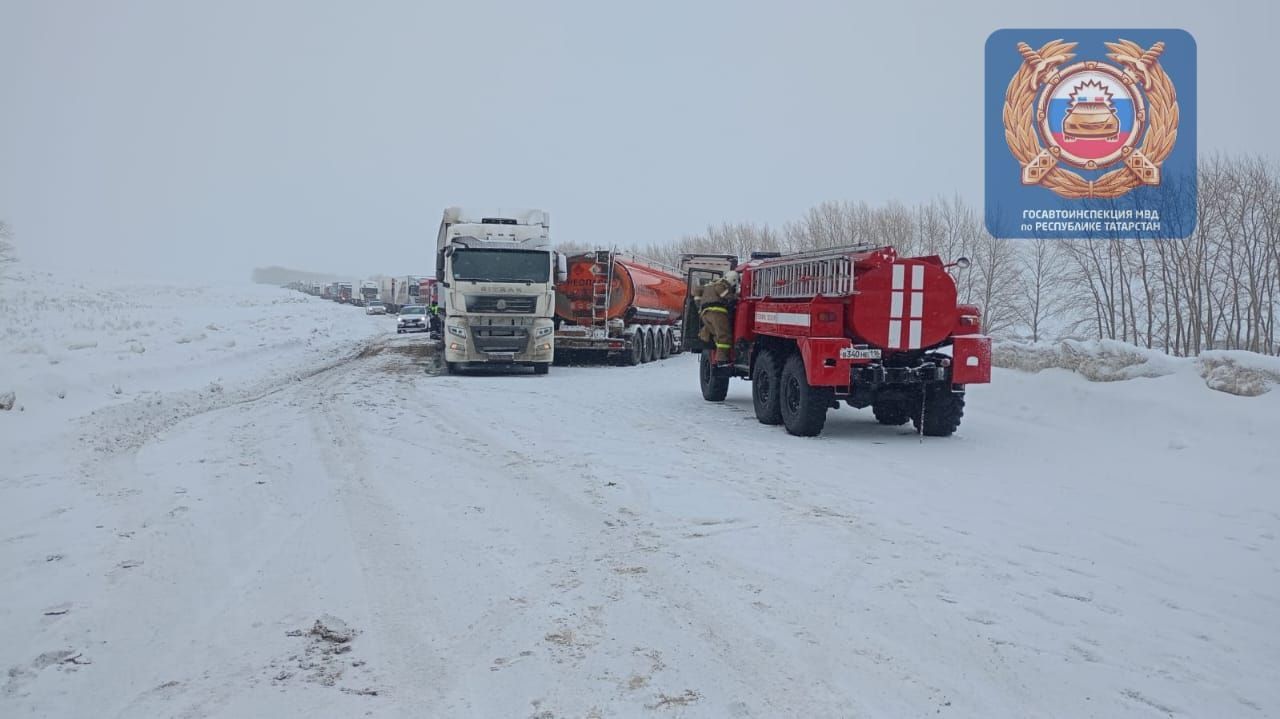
(858, 324)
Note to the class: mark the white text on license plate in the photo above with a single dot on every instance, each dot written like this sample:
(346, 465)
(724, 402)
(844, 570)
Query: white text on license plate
(856, 353)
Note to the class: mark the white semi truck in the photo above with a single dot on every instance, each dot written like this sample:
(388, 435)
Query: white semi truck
(497, 273)
(398, 292)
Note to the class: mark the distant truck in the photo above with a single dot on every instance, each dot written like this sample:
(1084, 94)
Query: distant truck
(619, 307)
(398, 292)
(496, 273)
(368, 293)
(344, 292)
(427, 291)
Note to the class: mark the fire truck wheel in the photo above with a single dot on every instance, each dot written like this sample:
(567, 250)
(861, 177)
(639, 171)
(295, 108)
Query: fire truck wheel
(891, 412)
(714, 387)
(942, 412)
(765, 378)
(804, 408)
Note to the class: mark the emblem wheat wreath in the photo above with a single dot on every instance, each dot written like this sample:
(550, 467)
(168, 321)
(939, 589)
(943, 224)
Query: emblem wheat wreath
(1138, 69)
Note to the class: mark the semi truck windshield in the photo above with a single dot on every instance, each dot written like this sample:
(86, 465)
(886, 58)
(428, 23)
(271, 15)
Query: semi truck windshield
(502, 265)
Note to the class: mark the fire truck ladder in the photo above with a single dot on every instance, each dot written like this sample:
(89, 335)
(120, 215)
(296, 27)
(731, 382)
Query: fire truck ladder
(827, 272)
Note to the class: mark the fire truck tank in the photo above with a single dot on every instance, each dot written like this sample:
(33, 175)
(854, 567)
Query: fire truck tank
(636, 291)
(904, 305)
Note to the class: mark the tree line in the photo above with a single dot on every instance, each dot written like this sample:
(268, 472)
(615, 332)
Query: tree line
(1217, 289)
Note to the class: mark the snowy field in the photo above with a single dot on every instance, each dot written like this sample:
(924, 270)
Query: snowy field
(242, 502)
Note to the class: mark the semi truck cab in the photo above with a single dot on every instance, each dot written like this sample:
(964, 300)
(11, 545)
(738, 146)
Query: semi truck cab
(496, 276)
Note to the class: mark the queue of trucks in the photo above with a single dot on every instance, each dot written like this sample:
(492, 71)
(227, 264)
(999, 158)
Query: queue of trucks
(859, 324)
(393, 292)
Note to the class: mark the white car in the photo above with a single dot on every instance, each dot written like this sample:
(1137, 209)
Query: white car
(413, 318)
(375, 308)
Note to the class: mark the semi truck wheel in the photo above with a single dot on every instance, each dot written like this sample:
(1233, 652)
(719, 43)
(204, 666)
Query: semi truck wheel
(942, 412)
(714, 387)
(542, 368)
(804, 408)
(765, 378)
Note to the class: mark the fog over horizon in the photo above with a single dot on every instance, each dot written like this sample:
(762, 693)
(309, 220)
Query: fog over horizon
(176, 140)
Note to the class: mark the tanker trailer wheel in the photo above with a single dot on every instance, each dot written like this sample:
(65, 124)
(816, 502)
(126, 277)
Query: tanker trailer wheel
(647, 337)
(765, 381)
(663, 340)
(804, 408)
(634, 353)
(714, 387)
(942, 412)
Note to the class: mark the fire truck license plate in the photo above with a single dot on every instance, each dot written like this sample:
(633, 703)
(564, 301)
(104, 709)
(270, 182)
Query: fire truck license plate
(855, 353)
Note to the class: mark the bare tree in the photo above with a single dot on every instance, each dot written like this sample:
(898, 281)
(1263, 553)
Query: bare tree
(7, 256)
(995, 280)
(573, 248)
(1040, 286)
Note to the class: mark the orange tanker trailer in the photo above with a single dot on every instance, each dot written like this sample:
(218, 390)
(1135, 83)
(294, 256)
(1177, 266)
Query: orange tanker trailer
(620, 306)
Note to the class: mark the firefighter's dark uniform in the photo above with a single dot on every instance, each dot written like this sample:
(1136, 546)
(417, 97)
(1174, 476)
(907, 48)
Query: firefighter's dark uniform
(713, 304)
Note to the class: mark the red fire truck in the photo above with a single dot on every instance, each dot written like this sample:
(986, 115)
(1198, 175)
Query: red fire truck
(855, 323)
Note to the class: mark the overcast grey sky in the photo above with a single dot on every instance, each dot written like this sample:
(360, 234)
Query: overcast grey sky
(199, 139)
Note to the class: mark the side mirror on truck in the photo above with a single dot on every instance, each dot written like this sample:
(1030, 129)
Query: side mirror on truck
(562, 268)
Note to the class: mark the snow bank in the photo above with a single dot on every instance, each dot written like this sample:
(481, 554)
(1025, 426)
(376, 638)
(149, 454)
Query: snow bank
(1243, 373)
(1236, 372)
(70, 347)
(1097, 360)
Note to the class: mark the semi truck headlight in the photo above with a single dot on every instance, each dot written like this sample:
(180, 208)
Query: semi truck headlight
(457, 331)
(544, 331)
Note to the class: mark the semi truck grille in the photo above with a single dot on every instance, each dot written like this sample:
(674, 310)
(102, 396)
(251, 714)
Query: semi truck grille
(502, 304)
(500, 339)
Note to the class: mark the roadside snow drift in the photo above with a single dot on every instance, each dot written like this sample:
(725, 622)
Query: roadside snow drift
(273, 510)
(1241, 373)
(68, 347)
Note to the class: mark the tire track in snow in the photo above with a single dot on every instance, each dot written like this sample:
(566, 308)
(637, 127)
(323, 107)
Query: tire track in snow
(391, 568)
(631, 563)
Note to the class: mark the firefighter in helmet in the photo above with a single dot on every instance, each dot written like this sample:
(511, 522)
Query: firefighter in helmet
(715, 300)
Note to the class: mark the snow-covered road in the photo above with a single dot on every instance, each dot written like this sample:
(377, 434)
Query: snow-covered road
(600, 542)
